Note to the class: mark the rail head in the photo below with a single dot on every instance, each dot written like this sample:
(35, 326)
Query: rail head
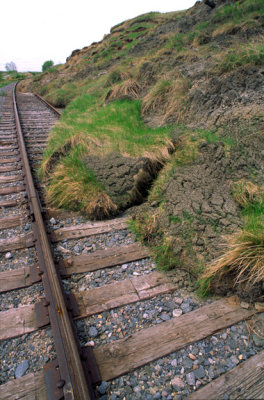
(57, 112)
(72, 376)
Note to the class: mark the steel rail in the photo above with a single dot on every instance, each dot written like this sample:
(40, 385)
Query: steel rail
(72, 376)
(48, 104)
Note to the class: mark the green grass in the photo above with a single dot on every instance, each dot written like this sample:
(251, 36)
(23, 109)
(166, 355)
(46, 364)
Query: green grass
(146, 17)
(238, 10)
(9, 77)
(142, 26)
(117, 125)
(177, 42)
(252, 206)
(250, 54)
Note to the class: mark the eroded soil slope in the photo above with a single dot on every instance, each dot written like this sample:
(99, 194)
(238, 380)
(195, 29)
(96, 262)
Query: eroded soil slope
(197, 76)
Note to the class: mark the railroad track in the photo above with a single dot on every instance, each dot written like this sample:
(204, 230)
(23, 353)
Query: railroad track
(72, 288)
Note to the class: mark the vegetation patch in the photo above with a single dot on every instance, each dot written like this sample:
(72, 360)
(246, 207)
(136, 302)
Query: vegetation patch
(72, 186)
(168, 97)
(247, 55)
(238, 11)
(11, 76)
(90, 130)
(243, 261)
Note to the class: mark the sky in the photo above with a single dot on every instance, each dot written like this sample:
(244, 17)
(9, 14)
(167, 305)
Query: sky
(52, 29)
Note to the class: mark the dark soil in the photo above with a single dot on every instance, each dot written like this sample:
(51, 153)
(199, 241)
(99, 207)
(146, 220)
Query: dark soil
(219, 100)
(198, 208)
(247, 292)
(125, 179)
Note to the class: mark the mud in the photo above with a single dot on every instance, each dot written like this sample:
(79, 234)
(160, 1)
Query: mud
(126, 180)
(199, 210)
(219, 100)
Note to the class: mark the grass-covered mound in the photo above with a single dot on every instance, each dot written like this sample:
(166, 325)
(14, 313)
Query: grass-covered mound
(91, 128)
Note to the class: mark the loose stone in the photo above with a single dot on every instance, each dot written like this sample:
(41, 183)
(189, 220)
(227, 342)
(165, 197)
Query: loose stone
(103, 387)
(93, 332)
(21, 369)
(190, 378)
(177, 382)
(177, 312)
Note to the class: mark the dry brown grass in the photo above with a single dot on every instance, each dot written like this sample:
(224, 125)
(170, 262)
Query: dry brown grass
(100, 207)
(129, 89)
(167, 97)
(69, 189)
(226, 29)
(160, 155)
(246, 192)
(233, 27)
(244, 257)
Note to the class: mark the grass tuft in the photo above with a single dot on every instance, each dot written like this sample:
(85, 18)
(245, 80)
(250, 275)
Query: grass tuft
(117, 127)
(167, 97)
(247, 194)
(244, 255)
(251, 54)
(72, 186)
(129, 89)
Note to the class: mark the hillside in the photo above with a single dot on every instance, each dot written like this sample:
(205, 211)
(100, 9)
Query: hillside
(167, 112)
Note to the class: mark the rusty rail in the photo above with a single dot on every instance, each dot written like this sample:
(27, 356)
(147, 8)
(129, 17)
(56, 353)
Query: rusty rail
(69, 374)
(57, 112)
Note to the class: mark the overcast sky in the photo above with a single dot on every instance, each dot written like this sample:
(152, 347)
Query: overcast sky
(52, 29)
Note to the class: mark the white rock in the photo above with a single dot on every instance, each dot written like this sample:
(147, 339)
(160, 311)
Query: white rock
(8, 255)
(174, 362)
(91, 343)
(177, 312)
(62, 249)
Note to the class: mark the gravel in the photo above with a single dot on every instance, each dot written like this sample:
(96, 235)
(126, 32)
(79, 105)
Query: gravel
(18, 298)
(25, 354)
(69, 247)
(4, 89)
(121, 322)
(19, 259)
(179, 374)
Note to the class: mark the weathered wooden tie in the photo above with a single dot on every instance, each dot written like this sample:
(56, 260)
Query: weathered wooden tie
(18, 321)
(102, 259)
(12, 189)
(125, 355)
(88, 229)
(16, 243)
(246, 381)
(97, 260)
(10, 221)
